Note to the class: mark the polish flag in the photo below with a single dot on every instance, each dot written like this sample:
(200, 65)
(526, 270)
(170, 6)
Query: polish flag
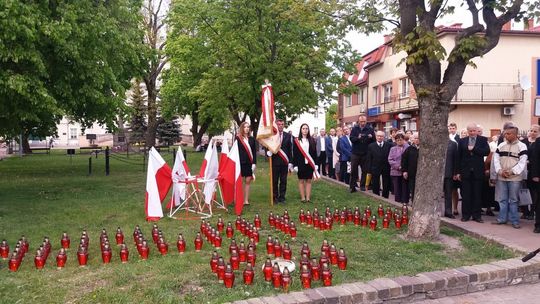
(158, 183)
(211, 174)
(232, 180)
(207, 155)
(180, 173)
(224, 158)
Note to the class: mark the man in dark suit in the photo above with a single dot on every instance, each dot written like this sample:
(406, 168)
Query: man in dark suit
(377, 164)
(281, 164)
(321, 151)
(449, 168)
(470, 171)
(344, 147)
(329, 152)
(361, 136)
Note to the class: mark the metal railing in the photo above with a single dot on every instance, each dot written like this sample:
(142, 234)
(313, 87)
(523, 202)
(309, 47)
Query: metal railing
(492, 93)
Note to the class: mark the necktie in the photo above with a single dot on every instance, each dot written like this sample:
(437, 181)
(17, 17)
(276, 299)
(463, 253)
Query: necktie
(472, 141)
(380, 145)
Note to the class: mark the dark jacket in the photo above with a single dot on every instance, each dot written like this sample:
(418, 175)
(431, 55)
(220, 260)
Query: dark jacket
(243, 154)
(286, 146)
(361, 138)
(409, 161)
(377, 158)
(472, 161)
(451, 159)
(344, 148)
(299, 157)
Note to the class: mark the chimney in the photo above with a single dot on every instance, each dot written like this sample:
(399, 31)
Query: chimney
(507, 26)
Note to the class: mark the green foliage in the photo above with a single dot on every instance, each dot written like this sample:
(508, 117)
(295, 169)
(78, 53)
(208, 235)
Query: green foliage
(331, 117)
(222, 51)
(467, 48)
(420, 45)
(168, 132)
(65, 58)
(138, 114)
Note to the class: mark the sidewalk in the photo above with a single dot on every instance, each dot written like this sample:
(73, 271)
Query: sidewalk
(518, 294)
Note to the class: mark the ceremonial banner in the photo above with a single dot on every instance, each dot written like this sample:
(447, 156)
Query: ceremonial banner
(158, 183)
(267, 135)
(224, 158)
(180, 172)
(211, 174)
(232, 181)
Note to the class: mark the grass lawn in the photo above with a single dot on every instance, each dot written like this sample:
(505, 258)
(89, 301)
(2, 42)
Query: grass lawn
(45, 195)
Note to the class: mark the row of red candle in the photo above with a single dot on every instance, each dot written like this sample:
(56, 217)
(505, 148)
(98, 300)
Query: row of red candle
(18, 254)
(345, 215)
(283, 223)
(251, 230)
(325, 223)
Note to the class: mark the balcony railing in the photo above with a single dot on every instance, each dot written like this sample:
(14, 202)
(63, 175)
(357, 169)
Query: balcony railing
(468, 93)
(489, 93)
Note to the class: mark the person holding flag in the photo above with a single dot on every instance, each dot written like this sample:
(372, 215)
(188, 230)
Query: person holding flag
(281, 163)
(248, 157)
(305, 152)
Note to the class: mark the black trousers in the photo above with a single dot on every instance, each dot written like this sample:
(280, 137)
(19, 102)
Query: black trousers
(343, 172)
(331, 171)
(358, 160)
(279, 182)
(471, 196)
(376, 183)
(448, 187)
(322, 163)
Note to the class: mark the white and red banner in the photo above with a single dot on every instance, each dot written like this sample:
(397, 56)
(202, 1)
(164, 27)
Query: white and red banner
(224, 158)
(268, 134)
(210, 174)
(158, 183)
(180, 173)
(232, 180)
(206, 159)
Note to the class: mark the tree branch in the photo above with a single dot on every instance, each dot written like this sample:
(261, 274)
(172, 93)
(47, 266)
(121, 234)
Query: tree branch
(474, 11)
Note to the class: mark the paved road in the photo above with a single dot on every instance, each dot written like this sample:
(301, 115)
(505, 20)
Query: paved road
(519, 294)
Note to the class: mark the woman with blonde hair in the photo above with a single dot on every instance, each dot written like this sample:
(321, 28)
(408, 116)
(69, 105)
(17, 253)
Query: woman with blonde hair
(248, 157)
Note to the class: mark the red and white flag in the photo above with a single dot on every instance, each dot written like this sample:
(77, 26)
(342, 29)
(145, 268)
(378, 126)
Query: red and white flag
(158, 183)
(232, 181)
(211, 175)
(267, 133)
(180, 173)
(224, 158)
(206, 159)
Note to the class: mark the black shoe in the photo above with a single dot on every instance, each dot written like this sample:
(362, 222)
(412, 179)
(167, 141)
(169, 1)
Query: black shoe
(352, 190)
(536, 230)
(478, 220)
(490, 213)
(362, 188)
(449, 216)
(456, 213)
(464, 219)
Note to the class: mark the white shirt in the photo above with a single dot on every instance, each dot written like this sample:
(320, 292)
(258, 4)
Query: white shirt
(304, 142)
(323, 143)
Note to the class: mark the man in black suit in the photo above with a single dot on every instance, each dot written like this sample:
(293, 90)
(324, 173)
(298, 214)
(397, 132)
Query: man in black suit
(281, 164)
(361, 136)
(470, 171)
(449, 169)
(377, 164)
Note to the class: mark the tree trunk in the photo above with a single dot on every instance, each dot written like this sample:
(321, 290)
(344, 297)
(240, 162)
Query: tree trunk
(26, 145)
(428, 197)
(152, 114)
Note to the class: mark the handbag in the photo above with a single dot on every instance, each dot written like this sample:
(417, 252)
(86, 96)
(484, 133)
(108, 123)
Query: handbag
(524, 197)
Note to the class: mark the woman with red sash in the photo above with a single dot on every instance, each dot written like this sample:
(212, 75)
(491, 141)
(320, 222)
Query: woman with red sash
(248, 157)
(305, 152)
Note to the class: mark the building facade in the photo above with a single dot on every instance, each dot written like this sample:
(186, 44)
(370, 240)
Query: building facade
(493, 93)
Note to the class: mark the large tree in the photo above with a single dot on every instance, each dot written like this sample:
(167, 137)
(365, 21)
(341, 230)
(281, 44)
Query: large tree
(416, 34)
(293, 44)
(60, 58)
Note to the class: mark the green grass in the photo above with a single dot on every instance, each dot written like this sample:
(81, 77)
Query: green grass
(45, 195)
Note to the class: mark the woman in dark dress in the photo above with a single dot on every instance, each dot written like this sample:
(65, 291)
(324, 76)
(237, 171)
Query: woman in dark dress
(248, 157)
(304, 151)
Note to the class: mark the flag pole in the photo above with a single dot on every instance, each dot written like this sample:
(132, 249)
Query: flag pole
(271, 183)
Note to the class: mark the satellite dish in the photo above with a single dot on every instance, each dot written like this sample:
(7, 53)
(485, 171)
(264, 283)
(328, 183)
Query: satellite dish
(525, 82)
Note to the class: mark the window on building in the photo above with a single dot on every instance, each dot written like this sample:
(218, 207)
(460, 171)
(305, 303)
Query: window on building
(404, 84)
(315, 130)
(361, 95)
(376, 95)
(73, 133)
(387, 92)
(348, 101)
(316, 114)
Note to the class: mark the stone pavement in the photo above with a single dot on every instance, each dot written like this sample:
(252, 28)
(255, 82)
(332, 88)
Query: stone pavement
(519, 294)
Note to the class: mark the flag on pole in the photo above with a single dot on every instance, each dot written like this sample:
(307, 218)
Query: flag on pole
(267, 135)
(232, 181)
(210, 175)
(180, 172)
(158, 183)
(224, 158)
(207, 156)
